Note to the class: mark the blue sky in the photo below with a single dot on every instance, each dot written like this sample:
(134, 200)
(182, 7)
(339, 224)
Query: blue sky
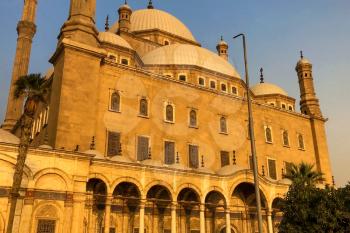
(276, 31)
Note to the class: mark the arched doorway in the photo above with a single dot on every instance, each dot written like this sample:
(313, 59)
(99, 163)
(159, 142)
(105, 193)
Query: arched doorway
(244, 201)
(125, 208)
(223, 230)
(215, 206)
(96, 191)
(188, 212)
(158, 210)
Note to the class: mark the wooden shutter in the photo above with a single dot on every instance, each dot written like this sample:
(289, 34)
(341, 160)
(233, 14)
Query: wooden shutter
(193, 156)
(113, 143)
(142, 148)
(225, 158)
(272, 169)
(169, 152)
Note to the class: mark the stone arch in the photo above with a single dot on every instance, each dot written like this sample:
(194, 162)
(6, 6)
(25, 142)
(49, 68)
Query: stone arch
(11, 162)
(161, 183)
(222, 229)
(250, 197)
(48, 210)
(191, 186)
(244, 177)
(129, 180)
(67, 180)
(103, 178)
(216, 189)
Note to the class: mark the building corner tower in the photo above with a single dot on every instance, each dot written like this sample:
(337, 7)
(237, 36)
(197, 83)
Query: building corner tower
(26, 29)
(222, 48)
(309, 105)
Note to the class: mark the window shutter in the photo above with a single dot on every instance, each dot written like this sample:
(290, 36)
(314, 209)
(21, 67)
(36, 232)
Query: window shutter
(272, 169)
(142, 148)
(169, 152)
(193, 160)
(225, 158)
(113, 144)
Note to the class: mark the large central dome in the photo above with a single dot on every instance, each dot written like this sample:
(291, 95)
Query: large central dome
(147, 19)
(185, 54)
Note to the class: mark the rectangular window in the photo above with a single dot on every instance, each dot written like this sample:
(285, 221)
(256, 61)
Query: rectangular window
(193, 156)
(287, 167)
(225, 158)
(46, 226)
(272, 169)
(142, 148)
(169, 152)
(113, 147)
(182, 77)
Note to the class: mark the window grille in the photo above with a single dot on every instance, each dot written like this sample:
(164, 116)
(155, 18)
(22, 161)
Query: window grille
(46, 226)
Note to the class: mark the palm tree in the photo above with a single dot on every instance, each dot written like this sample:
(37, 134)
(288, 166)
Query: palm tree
(304, 174)
(33, 88)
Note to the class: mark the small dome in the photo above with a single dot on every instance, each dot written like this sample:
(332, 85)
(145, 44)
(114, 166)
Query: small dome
(205, 170)
(119, 158)
(303, 61)
(179, 166)
(229, 170)
(7, 137)
(222, 42)
(285, 181)
(151, 162)
(185, 54)
(114, 39)
(95, 153)
(148, 19)
(125, 6)
(44, 146)
(267, 89)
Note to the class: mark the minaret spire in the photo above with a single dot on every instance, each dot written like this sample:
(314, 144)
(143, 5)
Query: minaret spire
(26, 30)
(150, 5)
(301, 54)
(107, 23)
(261, 75)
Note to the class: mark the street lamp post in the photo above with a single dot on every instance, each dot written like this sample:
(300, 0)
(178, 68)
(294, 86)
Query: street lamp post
(252, 138)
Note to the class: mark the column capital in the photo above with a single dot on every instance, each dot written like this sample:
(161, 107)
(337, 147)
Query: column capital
(202, 207)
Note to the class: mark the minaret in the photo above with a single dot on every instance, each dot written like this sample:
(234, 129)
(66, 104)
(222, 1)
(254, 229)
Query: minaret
(26, 29)
(309, 104)
(124, 17)
(80, 25)
(222, 48)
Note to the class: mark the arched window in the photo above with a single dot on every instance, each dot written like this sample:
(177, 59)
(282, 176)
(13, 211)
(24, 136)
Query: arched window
(301, 142)
(213, 84)
(285, 138)
(223, 87)
(169, 113)
(193, 118)
(143, 107)
(223, 125)
(268, 134)
(115, 102)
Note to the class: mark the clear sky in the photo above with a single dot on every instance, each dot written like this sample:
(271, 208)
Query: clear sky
(276, 31)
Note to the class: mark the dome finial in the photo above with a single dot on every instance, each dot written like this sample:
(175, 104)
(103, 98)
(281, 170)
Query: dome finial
(261, 75)
(150, 5)
(301, 54)
(222, 38)
(107, 24)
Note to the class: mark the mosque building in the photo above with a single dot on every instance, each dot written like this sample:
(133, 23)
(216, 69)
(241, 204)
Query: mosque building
(147, 131)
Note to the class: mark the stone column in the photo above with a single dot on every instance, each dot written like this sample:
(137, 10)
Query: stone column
(78, 210)
(228, 221)
(26, 30)
(27, 211)
(202, 218)
(173, 217)
(142, 216)
(68, 211)
(269, 221)
(107, 215)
